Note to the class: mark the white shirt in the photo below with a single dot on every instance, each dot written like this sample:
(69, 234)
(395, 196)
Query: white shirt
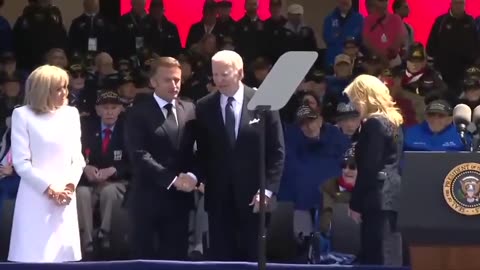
(208, 28)
(237, 111)
(237, 106)
(161, 102)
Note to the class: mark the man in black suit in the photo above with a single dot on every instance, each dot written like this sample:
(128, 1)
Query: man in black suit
(160, 143)
(228, 143)
(160, 34)
(206, 26)
(105, 177)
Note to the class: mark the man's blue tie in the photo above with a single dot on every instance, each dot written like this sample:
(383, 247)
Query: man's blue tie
(230, 121)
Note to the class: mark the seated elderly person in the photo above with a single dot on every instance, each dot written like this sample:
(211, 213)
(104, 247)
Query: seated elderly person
(348, 119)
(106, 173)
(437, 132)
(338, 190)
(419, 78)
(471, 89)
(314, 152)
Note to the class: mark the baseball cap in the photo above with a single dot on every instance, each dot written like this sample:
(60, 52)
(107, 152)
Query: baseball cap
(295, 9)
(305, 112)
(416, 52)
(343, 58)
(351, 40)
(346, 111)
(439, 106)
(108, 97)
(318, 76)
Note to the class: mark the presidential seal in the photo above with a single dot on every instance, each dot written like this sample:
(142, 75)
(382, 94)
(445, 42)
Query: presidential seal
(461, 189)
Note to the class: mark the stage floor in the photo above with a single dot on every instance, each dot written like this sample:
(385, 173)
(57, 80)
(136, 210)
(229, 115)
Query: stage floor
(171, 265)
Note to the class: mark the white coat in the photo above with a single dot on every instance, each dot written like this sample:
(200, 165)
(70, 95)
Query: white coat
(46, 150)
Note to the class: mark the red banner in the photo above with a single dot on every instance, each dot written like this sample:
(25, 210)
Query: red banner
(184, 13)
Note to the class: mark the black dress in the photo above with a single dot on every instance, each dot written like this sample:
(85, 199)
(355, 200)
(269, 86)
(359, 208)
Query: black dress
(375, 195)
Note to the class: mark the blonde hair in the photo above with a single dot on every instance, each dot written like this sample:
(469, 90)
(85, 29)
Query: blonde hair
(40, 85)
(374, 96)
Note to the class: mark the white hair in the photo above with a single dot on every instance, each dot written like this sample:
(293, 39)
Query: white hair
(230, 58)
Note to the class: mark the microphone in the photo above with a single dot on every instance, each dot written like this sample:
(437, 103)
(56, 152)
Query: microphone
(476, 121)
(462, 116)
(476, 117)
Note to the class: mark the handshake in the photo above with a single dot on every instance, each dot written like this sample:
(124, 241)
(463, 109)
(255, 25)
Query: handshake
(187, 182)
(61, 195)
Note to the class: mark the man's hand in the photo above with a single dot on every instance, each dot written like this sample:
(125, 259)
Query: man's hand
(6, 170)
(185, 183)
(256, 202)
(106, 173)
(91, 173)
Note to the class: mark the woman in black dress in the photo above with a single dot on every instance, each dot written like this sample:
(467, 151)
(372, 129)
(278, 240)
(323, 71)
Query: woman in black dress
(374, 201)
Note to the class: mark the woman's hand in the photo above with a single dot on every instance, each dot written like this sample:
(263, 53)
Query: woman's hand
(61, 195)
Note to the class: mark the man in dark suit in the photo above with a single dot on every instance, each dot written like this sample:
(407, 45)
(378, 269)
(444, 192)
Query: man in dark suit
(107, 172)
(228, 143)
(161, 35)
(130, 35)
(91, 32)
(160, 143)
(206, 26)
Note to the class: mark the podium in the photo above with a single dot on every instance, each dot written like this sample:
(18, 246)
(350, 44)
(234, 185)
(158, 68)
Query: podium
(439, 213)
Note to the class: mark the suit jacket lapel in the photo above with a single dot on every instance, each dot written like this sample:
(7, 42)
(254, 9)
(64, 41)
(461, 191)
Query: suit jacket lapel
(246, 115)
(98, 137)
(116, 136)
(180, 119)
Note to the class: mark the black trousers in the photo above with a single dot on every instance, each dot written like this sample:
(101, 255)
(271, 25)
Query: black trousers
(158, 236)
(375, 227)
(233, 232)
(371, 238)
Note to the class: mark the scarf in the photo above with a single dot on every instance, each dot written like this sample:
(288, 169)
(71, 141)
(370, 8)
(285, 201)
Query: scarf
(409, 78)
(345, 185)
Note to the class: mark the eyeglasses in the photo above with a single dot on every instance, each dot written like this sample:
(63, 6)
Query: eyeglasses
(349, 165)
(77, 75)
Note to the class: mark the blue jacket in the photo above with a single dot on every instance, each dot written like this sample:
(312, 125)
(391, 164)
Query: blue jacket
(335, 32)
(309, 163)
(420, 138)
(6, 36)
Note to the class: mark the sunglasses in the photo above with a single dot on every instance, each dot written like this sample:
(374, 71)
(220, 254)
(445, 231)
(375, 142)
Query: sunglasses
(349, 165)
(77, 75)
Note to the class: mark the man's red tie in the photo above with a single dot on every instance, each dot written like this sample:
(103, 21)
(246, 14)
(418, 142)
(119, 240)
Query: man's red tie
(106, 140)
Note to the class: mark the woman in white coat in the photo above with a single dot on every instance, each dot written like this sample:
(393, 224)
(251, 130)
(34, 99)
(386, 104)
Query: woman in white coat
(46, 154)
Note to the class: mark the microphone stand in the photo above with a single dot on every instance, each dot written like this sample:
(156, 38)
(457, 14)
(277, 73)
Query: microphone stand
(260, 112)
